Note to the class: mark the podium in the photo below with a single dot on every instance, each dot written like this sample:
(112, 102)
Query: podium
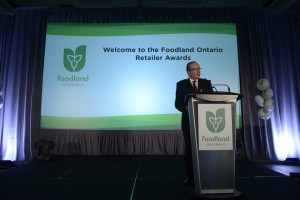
(212, 119)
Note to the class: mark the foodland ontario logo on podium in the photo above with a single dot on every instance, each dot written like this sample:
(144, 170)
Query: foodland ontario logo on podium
(74, 61)
(215, 122)
(215, 127)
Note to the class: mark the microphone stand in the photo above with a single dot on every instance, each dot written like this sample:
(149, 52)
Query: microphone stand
(228, 88)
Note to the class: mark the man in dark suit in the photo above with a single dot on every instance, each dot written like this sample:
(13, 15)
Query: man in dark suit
(194, 84)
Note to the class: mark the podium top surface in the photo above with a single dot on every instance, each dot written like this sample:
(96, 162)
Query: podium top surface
(215, 96)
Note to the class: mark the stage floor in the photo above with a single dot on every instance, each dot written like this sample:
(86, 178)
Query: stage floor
(135, 178)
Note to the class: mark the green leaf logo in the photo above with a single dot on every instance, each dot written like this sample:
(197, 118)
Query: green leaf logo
(75, 61)
(260, 82)
(215, 122)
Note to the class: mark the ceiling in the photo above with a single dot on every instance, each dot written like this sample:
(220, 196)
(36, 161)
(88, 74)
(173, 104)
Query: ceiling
(273, 5)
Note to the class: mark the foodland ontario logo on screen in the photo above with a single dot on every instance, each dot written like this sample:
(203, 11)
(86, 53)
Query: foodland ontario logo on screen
(74, 61)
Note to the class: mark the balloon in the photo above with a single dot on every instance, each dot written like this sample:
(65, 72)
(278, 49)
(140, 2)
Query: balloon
(267, 94)
(269, 104)
(259, 100)
(264, 114)
(265, 99)
(262, 84)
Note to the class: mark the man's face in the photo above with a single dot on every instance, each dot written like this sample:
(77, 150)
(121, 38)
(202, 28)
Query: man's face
(194, 71)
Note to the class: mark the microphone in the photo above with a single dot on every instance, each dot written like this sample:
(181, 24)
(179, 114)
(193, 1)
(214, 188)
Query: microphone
(228, 88)
(213, 87)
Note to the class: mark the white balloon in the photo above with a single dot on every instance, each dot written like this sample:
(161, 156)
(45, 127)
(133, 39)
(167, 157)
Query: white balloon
(262, 84)
(259, 100)
(267, 94)
(264, 114)
(269, 104)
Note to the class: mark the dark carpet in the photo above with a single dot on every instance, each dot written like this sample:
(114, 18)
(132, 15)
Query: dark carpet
(132, 178)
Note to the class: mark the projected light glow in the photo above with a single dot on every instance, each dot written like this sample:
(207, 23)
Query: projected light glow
(102, 76)
(285, 122)
(286, 141)
(10, 144)
(141, 100)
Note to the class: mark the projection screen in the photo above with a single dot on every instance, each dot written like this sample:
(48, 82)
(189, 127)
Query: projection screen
(123, 76)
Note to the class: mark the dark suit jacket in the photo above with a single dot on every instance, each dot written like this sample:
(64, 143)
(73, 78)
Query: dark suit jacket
(183, 88)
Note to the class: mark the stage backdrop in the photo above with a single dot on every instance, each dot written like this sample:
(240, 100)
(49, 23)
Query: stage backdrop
(123, 76)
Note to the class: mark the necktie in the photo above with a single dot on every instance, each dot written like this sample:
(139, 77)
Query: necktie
(195, 87)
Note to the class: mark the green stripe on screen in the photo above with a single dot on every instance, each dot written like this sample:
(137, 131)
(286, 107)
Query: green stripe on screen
(139, 29)
(138, 122)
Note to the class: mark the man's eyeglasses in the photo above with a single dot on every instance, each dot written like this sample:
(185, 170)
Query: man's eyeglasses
(198, 68)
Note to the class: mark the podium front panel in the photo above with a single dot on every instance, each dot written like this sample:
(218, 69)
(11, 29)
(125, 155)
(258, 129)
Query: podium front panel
(216, 171)
(212, 129)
